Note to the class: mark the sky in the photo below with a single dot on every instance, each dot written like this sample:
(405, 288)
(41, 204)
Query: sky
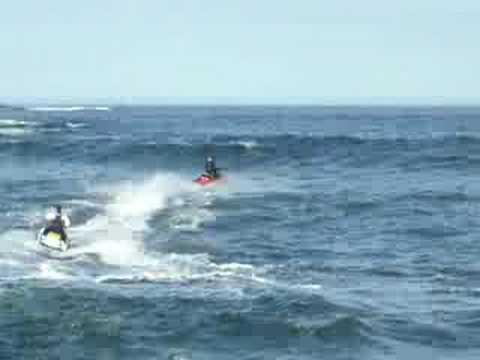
(304, 51)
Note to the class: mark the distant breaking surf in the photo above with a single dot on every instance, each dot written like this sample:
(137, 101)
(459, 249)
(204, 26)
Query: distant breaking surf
(70, 108)
(12, 123)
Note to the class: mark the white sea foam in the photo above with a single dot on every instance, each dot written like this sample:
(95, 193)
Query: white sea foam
(191, 220)
(116, 234)
(75, 125)
(14, 131)
(50, 271)
(183, 267)
(9, 262)
(69, 108)
(12, 123)
(15, 241)
(12, 127)
(82, 202)
(247, 144)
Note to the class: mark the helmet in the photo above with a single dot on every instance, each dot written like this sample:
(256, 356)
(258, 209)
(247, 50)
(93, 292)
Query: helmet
(58, 208)
(209, 159)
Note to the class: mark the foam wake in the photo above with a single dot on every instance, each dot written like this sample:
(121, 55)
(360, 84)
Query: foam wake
(117, 232)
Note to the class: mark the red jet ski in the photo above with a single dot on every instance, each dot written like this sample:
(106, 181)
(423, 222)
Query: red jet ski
(206, 179)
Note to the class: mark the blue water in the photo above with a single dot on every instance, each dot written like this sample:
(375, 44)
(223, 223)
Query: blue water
(338, 233)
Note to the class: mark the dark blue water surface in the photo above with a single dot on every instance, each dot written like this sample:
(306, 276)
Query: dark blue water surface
(338, 233)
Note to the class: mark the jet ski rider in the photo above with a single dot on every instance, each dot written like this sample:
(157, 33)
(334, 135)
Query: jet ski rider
(211, 169)
(57, 222)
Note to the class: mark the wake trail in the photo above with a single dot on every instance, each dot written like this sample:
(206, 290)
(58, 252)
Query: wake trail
(109, 248)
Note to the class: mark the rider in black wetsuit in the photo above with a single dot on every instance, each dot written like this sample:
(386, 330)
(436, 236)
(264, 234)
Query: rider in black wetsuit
(211, 169)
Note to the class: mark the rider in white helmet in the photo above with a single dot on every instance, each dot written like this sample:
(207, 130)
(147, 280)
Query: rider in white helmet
(57, 222)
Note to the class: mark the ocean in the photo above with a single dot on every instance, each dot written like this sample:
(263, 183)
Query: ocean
(336, 233)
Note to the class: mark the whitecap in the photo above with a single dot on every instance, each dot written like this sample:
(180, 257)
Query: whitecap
(75, 125)
(12, 123)
(69, 108)
(248, 144)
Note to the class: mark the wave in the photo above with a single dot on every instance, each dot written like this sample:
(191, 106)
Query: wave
(190, 220)
(245, 151)
(116, 234)
(183, 267)
(118, 242)
(13, 127)
(247, 144)
(436, 197)
(69, 108)
(75, 125)
(21, 127)
(351, 206)
(341, 328)
(430, 334)
(61, 126)
(447, 197)
(12, 123)
(14, 131)
(358, 138)
(434, 232)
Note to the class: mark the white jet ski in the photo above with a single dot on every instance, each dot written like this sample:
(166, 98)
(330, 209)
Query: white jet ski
(53, 240)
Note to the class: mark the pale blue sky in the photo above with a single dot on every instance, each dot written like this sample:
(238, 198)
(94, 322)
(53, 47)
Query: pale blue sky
(242, 50)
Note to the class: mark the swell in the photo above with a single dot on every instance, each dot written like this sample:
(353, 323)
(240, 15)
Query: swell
(340, 329)
(76, 140)
(167, 316)
(438, 197)
(349, 151)
(436, 334)
(282, 319)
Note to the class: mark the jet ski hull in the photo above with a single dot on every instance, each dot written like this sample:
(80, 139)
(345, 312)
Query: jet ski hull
(206, 180)
(52, 240)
